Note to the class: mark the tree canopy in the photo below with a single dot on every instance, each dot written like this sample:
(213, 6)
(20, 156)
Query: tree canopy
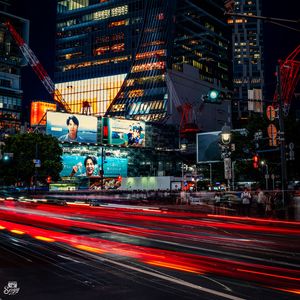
(23, 149)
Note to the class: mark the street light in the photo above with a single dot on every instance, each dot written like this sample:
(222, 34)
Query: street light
(226, 135)
(226, 152)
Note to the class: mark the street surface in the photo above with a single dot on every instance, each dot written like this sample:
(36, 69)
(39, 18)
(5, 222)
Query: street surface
(76, 251)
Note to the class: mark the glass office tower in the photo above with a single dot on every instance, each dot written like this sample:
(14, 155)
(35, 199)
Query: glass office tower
(248, 51)
(115, 55)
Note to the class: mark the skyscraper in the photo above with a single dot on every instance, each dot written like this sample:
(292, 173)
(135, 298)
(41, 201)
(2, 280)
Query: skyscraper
(248, 51)
(115, 55)
(11, 61)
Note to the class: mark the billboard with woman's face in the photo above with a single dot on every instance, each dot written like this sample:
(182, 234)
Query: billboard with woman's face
(72, 127)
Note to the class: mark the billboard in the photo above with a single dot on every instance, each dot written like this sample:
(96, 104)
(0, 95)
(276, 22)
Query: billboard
(38, 111)
(208, 149)
(72, 127)
(89, 165)
(123, 132)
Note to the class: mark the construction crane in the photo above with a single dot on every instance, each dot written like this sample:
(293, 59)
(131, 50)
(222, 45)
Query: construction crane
(38, 68)
(289, 70)
(187, 127)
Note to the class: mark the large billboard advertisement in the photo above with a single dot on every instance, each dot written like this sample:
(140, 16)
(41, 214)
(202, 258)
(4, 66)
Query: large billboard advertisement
(72, 127)
(38, 111)
(89, 165)
(208, 149)
(123, 132)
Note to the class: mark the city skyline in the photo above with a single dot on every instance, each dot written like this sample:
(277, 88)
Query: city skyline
(279, 41)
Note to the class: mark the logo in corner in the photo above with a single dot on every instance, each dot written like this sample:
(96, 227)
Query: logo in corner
(11, 288)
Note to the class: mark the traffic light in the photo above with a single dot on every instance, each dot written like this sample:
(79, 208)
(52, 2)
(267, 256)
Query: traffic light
(7, 157)
(255, 160)
(214, 96)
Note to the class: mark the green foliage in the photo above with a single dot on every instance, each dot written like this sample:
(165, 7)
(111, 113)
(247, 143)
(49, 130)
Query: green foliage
(26, 148)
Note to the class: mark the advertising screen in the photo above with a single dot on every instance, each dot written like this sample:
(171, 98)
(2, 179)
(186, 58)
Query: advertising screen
(38, 110)
(208, 149)
(72, 127)
(123, 132)
(89, 165)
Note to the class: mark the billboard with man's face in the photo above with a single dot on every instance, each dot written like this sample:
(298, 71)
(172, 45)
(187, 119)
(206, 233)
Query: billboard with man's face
(123, 132)
(90, 165)
(72, 127)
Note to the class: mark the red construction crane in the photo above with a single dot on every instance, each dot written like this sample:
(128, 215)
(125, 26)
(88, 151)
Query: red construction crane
(38, 68)
(289, 78)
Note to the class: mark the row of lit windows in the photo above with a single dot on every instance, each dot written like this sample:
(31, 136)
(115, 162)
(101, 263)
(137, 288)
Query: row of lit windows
(144, 80)
(114, 37)
(237, 21)
(9, 115)
(150, 117)
(247, 80)
(114, 48)
(140, 92)
(145, 107)
(159, 65)
(87, 29)
(96, 63)
(71, 5)
(107, 13)
(150, 54)
(253, 62)
(6, 101)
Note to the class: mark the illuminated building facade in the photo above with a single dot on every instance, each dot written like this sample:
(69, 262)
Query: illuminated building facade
(248, 51)
(115, 55)
(11, 61)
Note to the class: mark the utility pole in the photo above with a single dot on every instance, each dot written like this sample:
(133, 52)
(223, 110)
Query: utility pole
(281, 136)
(101, 172)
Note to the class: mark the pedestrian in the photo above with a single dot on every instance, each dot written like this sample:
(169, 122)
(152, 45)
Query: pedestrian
(217, 203)
(269, 208)
(261, 203)
(246, 202)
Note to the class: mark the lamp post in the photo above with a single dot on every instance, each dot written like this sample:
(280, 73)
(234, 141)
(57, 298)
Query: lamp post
(226, 152)
(210, 175)
(281, 137)
(233, 175)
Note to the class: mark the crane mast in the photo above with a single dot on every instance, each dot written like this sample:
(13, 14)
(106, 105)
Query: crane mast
(38, 68)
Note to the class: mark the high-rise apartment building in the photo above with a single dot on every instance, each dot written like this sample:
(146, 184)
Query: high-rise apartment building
(11, 61)
(115, 55)
(248, 51)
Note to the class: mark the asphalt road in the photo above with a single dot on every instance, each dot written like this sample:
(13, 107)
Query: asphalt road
(110, 252)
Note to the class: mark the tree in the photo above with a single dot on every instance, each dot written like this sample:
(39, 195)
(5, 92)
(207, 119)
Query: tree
(24, 149)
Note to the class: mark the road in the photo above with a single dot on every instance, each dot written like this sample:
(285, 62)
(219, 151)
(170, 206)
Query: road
(125, 252)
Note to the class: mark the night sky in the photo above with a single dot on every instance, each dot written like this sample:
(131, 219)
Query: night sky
(279, 41)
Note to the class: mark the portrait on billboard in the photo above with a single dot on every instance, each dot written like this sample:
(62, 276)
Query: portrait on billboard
(124, 132)
(90, 165)
(72, 127)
